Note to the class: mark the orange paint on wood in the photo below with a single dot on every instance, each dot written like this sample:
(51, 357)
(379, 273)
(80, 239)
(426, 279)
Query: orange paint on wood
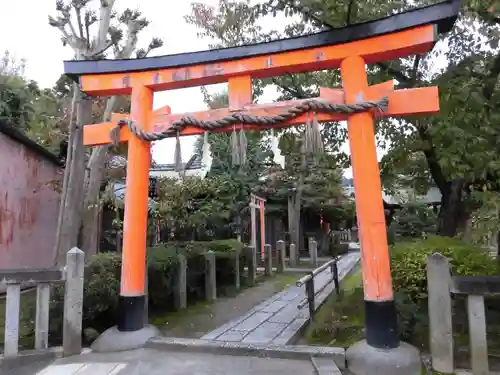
(367, 186)
(381, 48)
(240, 92)
(420, 101)
(136, 198)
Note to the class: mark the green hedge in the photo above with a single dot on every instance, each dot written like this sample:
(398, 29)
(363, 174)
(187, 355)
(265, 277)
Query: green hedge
(409, 276)
(102, 281)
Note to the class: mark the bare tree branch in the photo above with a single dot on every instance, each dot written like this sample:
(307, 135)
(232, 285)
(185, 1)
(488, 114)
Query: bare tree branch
(105, 12)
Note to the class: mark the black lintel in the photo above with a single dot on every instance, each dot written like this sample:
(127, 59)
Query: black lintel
(442, 14)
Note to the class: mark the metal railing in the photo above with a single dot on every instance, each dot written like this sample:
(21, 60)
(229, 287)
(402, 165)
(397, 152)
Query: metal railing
(308, 281)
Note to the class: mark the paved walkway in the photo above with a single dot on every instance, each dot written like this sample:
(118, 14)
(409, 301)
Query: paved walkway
(278, 319)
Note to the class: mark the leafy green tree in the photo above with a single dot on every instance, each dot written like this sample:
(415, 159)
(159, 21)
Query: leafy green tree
(454, 150)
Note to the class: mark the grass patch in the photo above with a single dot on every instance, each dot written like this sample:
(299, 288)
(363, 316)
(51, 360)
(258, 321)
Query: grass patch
(285, 280)
(340, 321)
(175, 318)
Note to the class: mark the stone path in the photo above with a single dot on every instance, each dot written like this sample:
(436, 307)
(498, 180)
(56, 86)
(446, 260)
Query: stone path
(278, 319)
(199, 323)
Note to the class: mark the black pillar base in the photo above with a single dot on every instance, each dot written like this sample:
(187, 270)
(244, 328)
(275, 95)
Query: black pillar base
(131, 313)
(381, 323)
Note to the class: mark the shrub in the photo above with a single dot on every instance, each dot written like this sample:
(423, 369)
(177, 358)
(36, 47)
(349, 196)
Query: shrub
(102, 281)
(408, 266)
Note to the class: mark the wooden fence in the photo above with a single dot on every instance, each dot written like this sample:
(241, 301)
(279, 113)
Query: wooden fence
(441, 286)
(311, 292)
(72, 276)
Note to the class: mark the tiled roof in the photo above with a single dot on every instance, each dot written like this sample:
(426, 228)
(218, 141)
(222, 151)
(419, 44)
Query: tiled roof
(192, 164)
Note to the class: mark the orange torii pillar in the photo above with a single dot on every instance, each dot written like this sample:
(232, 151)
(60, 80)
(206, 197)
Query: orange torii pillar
(404, 34)
(380, 311)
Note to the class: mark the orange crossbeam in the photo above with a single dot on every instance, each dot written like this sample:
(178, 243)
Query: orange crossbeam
(381, 48)
(419, 101)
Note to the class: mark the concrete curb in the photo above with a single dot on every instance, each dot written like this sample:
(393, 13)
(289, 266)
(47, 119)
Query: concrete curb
(27, 357)
(303, 352)
(325, 366)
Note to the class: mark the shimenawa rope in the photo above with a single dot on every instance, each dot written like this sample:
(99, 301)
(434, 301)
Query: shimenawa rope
(239, 118)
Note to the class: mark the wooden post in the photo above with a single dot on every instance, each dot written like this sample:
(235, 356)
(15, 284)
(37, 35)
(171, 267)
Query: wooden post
(73, 302)
(477, 335)
(440, 322)
(381, 317)
(293, 255)
(251, 257)
(237, 280)
(210, 277)
(335, 277)
(181, 290)
(42, 316)
(268, 260)
(132, 290)
(313, 252)
(310, 296)
(11, 341)
(280, 255)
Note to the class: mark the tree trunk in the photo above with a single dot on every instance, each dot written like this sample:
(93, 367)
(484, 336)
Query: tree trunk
(92, 205)
(453, 215)
(71, 207)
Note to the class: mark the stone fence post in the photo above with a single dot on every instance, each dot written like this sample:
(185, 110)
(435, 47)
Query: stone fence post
(293, 255)
(251, 258)
(181, 288)
(268, 260)
(440, 323)
(73, 302)
(280, 256)
(210, 277)
(313, 252)
(237, 281)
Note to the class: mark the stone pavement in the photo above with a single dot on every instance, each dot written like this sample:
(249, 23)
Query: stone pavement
(278, 320)
(156, 362)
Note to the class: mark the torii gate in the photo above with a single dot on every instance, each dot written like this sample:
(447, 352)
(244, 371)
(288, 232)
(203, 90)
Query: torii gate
(350, 48)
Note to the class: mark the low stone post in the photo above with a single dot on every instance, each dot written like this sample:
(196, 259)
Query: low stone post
(252, 264)
(313, 252)
(237, 280)
(73, 303)
(210, 280)
(42, 316)
(12, 310)
(268, 260)
(280, 256)
(181, 289)
(440, 318)
(293, 255)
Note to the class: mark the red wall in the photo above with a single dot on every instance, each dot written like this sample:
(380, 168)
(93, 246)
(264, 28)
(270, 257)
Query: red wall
(28, 206)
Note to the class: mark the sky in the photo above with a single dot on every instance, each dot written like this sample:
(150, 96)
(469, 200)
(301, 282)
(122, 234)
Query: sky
(26, 34)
